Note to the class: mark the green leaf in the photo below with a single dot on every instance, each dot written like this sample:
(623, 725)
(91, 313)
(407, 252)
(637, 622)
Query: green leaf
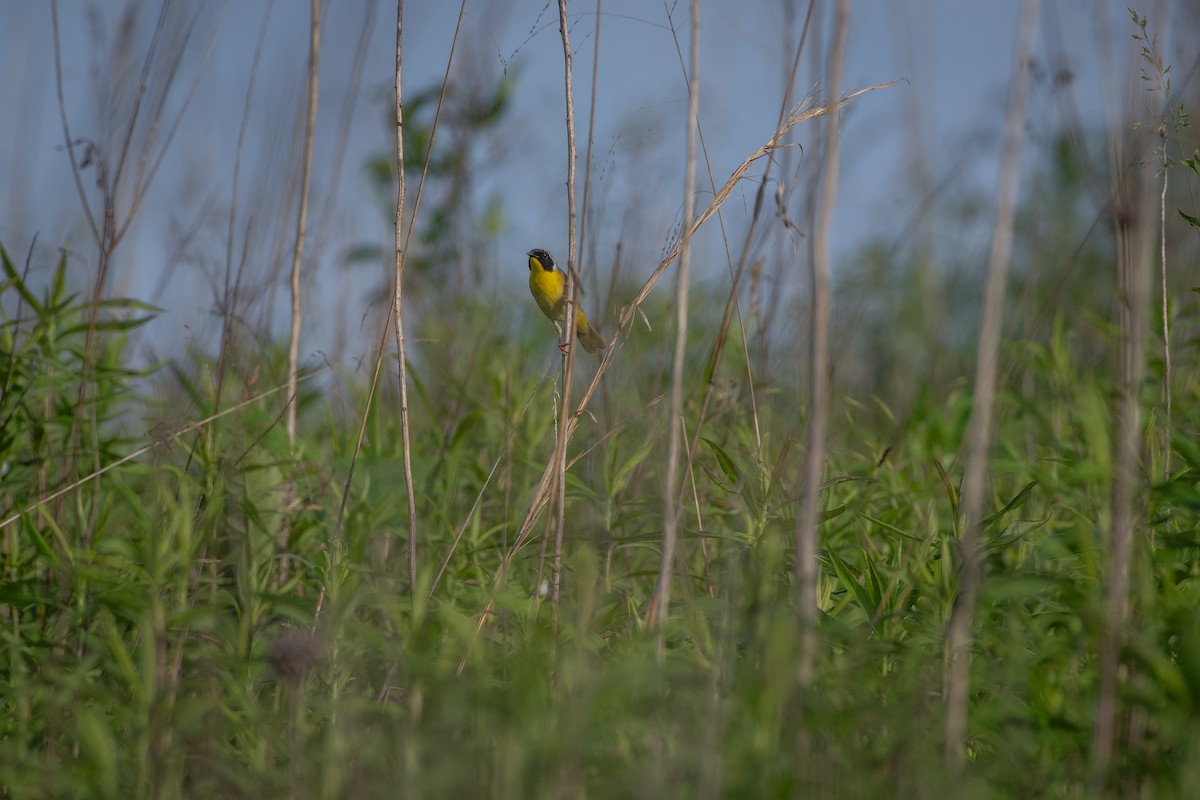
(17, 283)
(58, 286)
(846, 575)
(621, 478)
(950, 490)
(874, 584)
(1016, 502)
(1194, 221)
(712, 476)
(39, 541)
(109, 325)
(886, 526)
(98, 746)
(727, 466)
(363, 253)
(128, 303)
(830, 513)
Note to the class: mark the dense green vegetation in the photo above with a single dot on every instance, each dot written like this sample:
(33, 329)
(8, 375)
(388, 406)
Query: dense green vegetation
(158, 619)
(191, 606)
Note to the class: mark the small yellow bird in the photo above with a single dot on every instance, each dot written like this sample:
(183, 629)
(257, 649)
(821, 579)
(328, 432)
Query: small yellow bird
(547, 283)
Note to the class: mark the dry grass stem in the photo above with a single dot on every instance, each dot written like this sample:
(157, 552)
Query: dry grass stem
(310, 128)
(571, 295)
(958, 636)
(818, 379)
(401, 243)
(672, 516)
(1134, 239)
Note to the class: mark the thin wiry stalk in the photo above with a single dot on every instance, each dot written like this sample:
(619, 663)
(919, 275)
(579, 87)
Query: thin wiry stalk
(1154, 70)
(147, 169)
(66, 127)
(689, 445)
(159, 27)
(591, 135)
(570, 293)
(1132, 195)
(1133, 301)
(362, 429)
(397, 304)
(818, 395)
(351, 95)
(541, 497)
(1166, 325)
(347, 116)
(671, 505)
(709, 584)
(229, 290)
(385, 687)
(105, 244)
(804, 113)
(229, 296)
(574, 273)
(403, 261)
(958, 636)
(310, 126)
(587, 193)
(108, 235)
(733, 302)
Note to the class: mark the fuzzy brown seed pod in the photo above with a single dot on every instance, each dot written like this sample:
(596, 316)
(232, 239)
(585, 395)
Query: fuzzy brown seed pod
(295, 652)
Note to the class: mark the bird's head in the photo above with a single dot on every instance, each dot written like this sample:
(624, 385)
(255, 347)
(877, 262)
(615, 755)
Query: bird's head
(539, 258)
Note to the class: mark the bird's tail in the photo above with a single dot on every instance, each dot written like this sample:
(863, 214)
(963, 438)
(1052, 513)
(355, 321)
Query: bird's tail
(591, 339)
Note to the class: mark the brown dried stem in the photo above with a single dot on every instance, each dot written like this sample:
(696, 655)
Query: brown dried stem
(958, 635)
(310, 126)
(671, 506)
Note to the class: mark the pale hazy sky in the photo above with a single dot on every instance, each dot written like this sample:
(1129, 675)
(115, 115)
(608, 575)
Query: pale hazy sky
(955, 57)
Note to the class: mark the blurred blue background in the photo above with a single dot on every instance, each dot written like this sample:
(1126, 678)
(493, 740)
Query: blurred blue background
(932, 138)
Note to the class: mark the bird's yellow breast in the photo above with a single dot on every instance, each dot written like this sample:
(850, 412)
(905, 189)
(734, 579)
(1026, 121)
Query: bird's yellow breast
(546, 286)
